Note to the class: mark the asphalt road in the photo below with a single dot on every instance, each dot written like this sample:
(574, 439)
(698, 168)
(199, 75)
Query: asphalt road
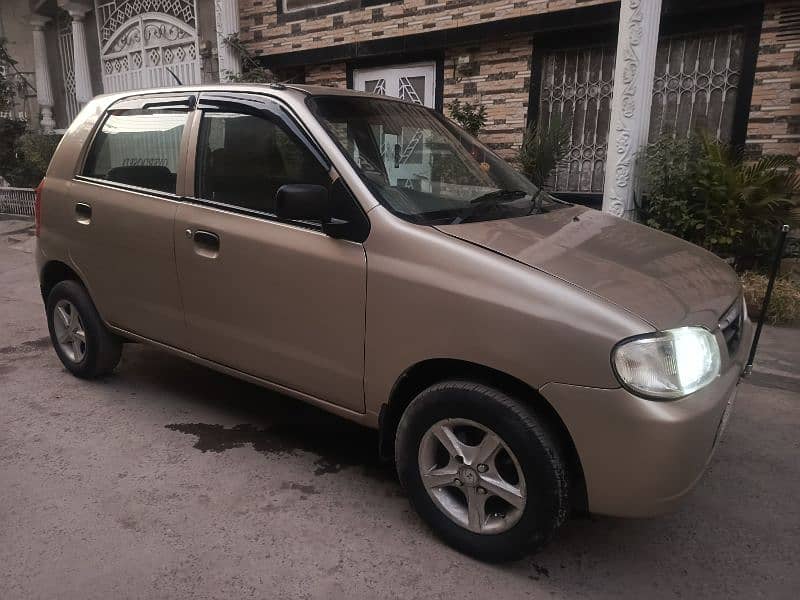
(168, 480)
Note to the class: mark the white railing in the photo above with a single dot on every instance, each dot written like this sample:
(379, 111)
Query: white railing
(17, 201)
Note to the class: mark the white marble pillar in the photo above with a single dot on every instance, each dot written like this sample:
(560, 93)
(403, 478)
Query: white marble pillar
(44, 89)
(83, 77)
(630, 106)
(227, 16)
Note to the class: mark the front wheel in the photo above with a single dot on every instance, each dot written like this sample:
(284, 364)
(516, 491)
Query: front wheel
(482, 470)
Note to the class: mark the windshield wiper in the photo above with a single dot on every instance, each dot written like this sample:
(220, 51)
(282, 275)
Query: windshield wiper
(499, 196)
(489, 199)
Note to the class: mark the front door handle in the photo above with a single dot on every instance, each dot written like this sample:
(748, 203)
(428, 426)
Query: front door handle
(83, 213)
(206, 243)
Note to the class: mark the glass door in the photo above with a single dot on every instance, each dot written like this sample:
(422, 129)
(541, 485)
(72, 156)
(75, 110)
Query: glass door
(409, 165)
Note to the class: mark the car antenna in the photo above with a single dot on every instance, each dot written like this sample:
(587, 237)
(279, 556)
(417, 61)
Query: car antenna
(173, 74)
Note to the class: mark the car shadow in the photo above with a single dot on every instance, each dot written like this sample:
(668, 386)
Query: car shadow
(269, 422)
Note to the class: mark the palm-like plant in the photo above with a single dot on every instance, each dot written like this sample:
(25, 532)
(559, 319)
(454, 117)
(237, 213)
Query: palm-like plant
(745, 203)
(542, 149)
(471, 117)
(705, 192)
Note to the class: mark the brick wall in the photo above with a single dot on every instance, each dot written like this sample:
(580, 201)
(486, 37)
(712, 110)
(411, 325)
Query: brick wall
(266, 33)
(774, 126)
(500, 82)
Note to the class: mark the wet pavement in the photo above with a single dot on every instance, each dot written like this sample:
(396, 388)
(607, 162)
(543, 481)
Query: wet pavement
(168, 480)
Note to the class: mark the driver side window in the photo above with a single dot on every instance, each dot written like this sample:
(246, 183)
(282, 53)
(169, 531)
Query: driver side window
(243, 159)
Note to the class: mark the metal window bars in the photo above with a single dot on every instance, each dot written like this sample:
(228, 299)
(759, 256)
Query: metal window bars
(696, 83)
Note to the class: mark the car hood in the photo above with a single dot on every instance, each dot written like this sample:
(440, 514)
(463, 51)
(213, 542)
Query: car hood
(664, 280)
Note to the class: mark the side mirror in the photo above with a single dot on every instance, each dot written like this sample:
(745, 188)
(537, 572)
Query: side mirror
(306, 202)
(302, 202)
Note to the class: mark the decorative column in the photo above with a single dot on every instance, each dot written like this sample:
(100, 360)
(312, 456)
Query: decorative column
(227, 15)
(83, 80)
(44, 89)
(630, 105)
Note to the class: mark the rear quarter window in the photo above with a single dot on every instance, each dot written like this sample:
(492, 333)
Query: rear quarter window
(139, 148)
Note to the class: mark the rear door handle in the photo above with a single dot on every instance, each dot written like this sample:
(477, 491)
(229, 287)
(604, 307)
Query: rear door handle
(206, 243)
(83, 213)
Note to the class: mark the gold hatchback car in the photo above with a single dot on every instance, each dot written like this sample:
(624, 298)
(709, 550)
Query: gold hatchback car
(520, 356)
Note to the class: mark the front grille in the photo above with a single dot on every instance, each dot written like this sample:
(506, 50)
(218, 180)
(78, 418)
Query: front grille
(731, 325)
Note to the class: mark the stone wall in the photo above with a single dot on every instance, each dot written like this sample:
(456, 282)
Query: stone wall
(268, 32)
(774, 126)
(500, 81)
(333, 75)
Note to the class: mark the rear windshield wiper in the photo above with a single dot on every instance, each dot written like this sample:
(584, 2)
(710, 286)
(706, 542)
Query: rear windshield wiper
(489, 199)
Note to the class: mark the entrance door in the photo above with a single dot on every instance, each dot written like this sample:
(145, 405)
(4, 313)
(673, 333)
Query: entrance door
(402, 151)
(150, 50)
(415, 83)
(276, 299)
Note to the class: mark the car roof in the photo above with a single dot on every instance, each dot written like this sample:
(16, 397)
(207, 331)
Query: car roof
(274, 89)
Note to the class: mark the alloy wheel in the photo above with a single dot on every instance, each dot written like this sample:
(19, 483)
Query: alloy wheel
(69, 330)
(472, 476)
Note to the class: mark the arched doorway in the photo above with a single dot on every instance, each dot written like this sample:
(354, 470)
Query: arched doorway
(139, 49)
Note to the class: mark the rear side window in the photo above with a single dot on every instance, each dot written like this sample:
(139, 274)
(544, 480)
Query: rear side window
(243, 159)
(139, 148)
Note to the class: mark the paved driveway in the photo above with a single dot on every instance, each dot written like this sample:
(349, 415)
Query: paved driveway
(168, 480)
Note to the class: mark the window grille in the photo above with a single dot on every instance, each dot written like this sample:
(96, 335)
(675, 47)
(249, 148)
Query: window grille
(696, 84)
(66, 57)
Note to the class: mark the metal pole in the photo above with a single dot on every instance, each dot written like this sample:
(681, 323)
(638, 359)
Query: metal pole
(773, 274)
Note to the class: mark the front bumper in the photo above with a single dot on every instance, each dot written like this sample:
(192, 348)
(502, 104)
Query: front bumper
(640, 457)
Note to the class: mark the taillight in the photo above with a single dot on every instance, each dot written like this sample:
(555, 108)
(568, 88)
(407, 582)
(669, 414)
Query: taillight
(37, 208)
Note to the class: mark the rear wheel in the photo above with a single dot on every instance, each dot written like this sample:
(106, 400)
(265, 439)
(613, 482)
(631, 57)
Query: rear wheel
(482, 470)
(81, 340)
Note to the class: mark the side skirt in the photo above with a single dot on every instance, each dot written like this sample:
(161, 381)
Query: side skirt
(366, 419)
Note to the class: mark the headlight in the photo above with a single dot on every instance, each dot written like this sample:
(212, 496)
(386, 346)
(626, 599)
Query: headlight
(667, 364)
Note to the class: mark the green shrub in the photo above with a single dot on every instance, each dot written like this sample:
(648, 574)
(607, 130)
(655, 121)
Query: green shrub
(252, 70)
(27, 157)
(472, 117)
(784, 306)
(704, 192)
(252, 75)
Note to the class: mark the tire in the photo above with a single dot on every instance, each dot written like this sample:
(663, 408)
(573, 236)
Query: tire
(467, 409)
(100, 351)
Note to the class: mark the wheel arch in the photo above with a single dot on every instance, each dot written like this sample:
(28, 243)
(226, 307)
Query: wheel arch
(53, 272)
(426, 373)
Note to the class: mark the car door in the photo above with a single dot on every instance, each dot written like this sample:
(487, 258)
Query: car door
(125, 198)
(279, 300)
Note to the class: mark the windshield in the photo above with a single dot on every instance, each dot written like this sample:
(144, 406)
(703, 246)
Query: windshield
(422, 167)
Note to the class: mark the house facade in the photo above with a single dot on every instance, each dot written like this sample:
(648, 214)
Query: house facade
(729, 67)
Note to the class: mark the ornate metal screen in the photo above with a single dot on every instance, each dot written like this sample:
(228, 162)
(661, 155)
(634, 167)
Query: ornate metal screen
(143, 41)
(696, 84)
(695, 87)
(576, 88)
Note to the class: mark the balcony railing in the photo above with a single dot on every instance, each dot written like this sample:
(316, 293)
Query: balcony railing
(17, 201)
